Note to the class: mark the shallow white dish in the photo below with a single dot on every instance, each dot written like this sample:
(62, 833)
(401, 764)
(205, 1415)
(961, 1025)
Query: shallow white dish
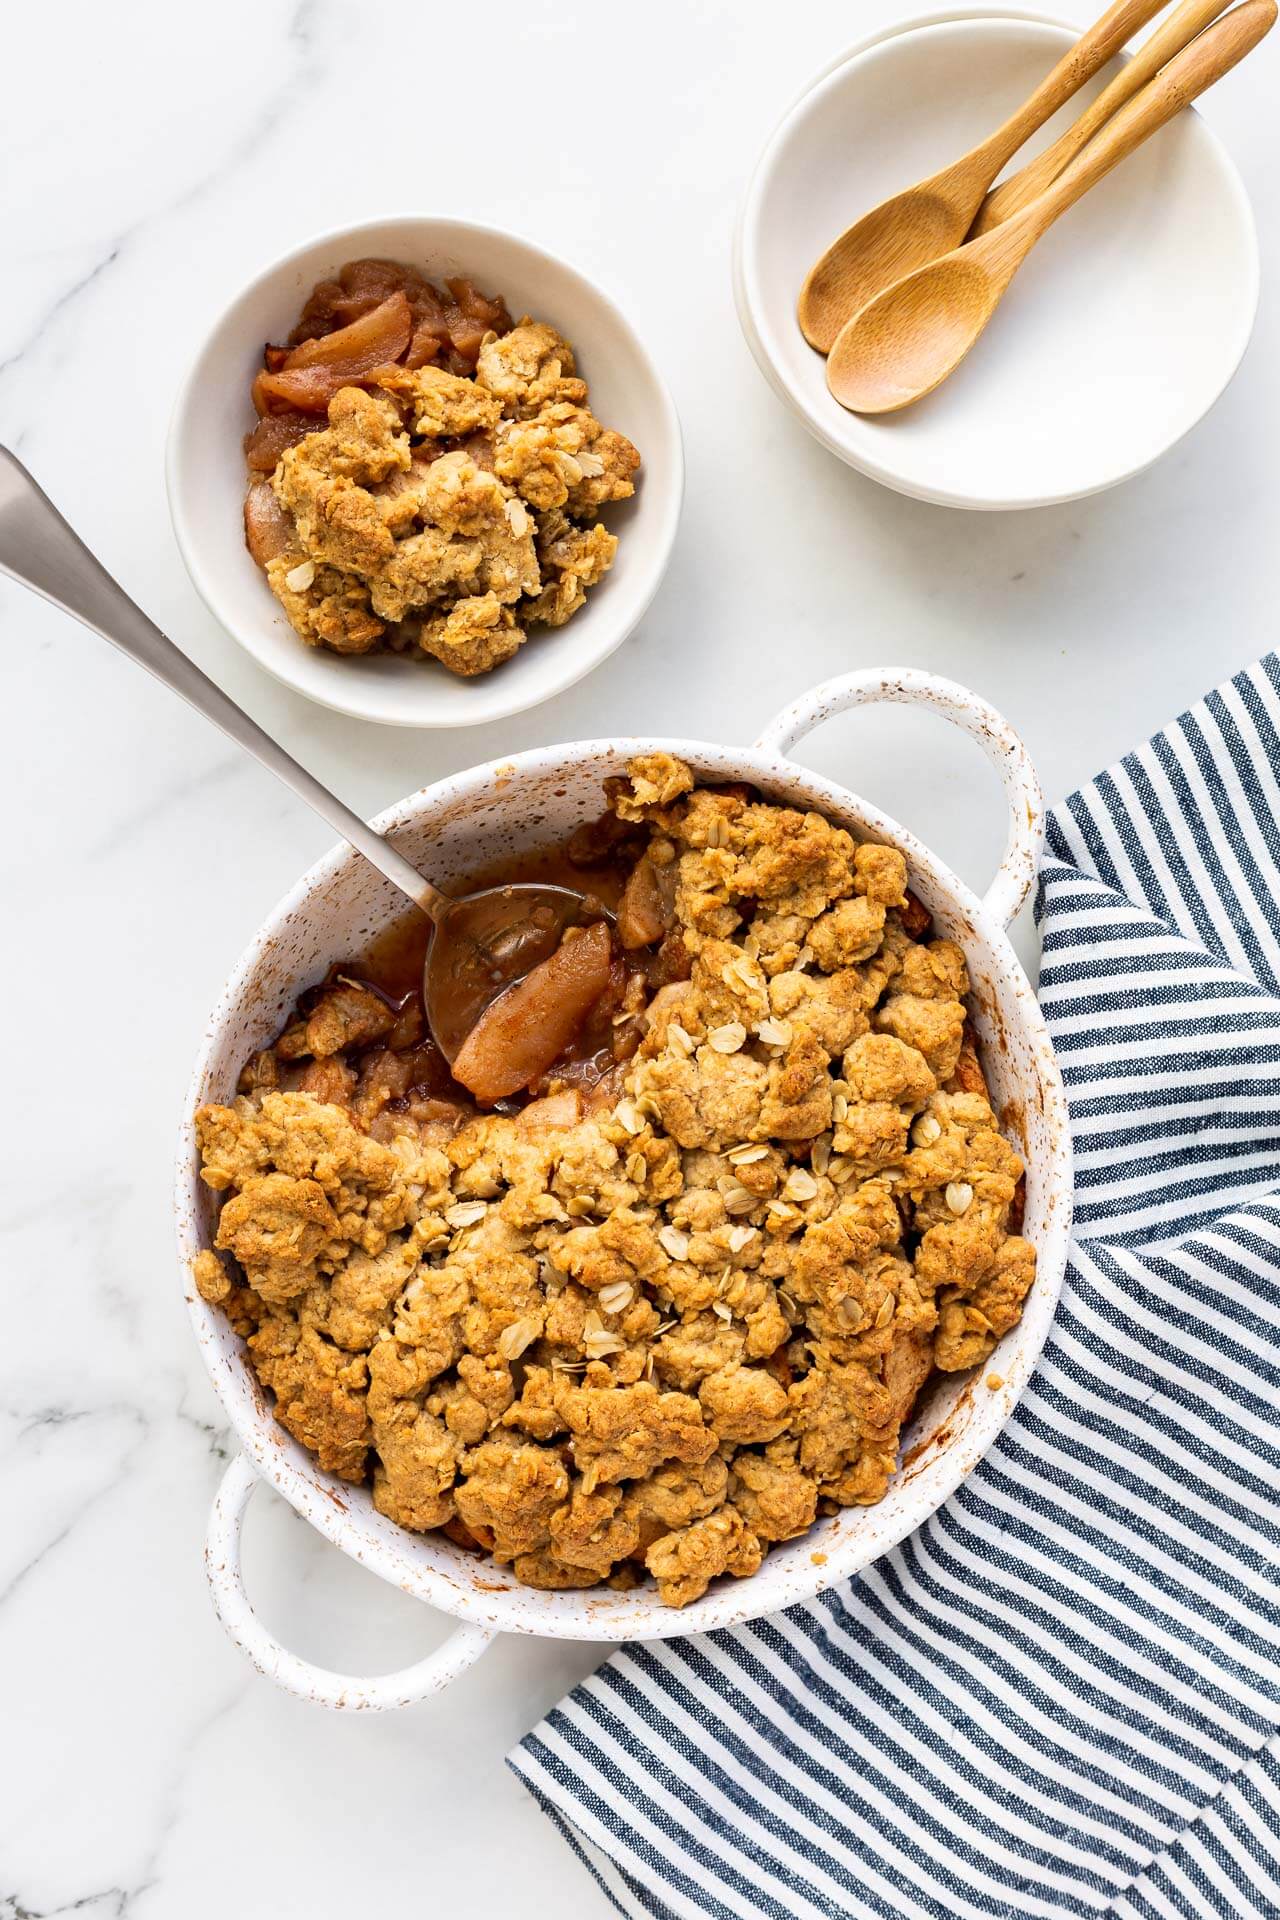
(206, 477)
(1118, 335)
(531, 801)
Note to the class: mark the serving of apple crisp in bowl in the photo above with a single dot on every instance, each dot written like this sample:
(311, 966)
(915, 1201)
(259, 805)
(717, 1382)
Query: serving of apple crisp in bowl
(463, 472)
(426, 475)
(739, 1281)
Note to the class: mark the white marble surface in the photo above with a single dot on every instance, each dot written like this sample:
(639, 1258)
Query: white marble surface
(153, 156)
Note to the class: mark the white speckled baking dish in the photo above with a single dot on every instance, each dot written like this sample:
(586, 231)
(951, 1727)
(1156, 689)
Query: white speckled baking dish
(533, 800)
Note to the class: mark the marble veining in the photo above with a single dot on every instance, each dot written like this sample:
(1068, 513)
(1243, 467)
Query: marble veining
(151, 159)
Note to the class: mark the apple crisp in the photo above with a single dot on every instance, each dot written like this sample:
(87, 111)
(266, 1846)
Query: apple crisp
(426, 477)
(676, 1299)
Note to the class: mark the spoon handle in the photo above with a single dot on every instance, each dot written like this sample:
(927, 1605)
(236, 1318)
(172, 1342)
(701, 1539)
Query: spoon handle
(1212, 54)
(40, 551)
(1182, 26)
(1079, 63)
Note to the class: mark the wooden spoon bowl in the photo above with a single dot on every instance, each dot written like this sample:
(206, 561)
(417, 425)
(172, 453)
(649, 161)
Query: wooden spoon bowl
(912, 337)
(892, 240)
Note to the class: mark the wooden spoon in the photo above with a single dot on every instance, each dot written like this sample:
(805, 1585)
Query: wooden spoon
(929, 219)
(906, 342)
(1178, 31)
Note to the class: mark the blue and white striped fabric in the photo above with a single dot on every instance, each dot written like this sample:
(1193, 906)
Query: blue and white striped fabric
(1061, 1696)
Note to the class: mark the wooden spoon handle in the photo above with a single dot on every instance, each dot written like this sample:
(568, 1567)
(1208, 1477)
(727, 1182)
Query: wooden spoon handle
(1213, 53)
(1178, 31)
(1092, 50)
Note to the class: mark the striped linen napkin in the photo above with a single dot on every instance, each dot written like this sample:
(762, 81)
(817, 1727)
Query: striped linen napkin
(1061, 1696)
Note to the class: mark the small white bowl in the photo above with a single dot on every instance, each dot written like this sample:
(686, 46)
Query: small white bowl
(1121, 330)
(206, 479)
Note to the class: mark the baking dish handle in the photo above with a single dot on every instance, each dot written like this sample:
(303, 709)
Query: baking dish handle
(343, 1692)
(906, 686)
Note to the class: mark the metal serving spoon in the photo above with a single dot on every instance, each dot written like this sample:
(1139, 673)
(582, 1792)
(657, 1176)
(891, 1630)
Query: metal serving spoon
(908, 340)
(481, 943)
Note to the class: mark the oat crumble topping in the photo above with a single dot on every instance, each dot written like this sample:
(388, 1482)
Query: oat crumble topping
(425, 476)
(658, 1323)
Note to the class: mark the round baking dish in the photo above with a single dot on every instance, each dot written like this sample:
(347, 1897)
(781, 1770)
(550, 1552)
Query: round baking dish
(205, 474)
(467, 822)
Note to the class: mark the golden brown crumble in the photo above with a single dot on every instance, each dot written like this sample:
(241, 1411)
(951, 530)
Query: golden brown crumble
(425, 476)
(658, 1322)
